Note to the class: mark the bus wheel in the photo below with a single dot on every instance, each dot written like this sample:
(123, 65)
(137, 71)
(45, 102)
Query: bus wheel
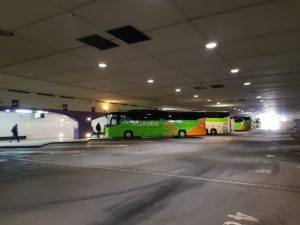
(207, 132)
(213, 132)
(181, 133)
(128, 134)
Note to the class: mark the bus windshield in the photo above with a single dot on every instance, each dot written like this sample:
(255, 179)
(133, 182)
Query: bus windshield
(112, 119)
(238, 120)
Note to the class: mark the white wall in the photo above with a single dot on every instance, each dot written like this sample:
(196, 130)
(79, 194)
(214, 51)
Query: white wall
(53, 126)
(102, 120)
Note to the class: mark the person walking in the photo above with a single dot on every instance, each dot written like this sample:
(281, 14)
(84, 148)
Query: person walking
(98, 129)
(15, 134)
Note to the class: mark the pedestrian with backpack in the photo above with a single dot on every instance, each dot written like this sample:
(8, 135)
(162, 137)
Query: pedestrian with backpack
(15, 134)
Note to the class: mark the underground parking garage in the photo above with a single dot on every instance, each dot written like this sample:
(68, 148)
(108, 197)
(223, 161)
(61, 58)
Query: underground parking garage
(149, 112)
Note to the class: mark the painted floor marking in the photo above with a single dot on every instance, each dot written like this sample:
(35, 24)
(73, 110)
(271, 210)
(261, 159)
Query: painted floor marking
(88, 146)
(285, 147)
(38, 152)
(263, 171)
(242, 216)
(141, 162)
(116, 169)
(80, 154)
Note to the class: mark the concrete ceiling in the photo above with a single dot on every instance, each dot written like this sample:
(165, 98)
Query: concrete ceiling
(260, 37)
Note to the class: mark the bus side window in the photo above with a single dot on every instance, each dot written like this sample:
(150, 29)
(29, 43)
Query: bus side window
(123, 118)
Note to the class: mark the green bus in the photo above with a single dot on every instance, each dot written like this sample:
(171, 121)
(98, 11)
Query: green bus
(217, 122)
(242, 123)
(154, 123)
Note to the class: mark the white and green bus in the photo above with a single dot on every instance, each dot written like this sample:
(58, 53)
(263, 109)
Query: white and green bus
(154, 123)
(218, 123)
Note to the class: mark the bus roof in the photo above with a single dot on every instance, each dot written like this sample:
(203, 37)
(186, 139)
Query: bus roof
(216, 114)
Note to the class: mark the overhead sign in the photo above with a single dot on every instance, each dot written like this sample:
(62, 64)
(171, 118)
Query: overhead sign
(15, 103)
(65, 107)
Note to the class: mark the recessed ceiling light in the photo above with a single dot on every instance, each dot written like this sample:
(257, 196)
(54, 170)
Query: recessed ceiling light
(261, 100)
(258, 97)
(235, 108)
(102, 65)
(178, 90)
(150, 81)
(234, 70)
(70, 14)
(209, 100)
(247, 83)
(211, 45)
(218, 103)
(196, 96)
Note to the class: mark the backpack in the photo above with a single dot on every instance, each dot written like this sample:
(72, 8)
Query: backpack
(14, 129)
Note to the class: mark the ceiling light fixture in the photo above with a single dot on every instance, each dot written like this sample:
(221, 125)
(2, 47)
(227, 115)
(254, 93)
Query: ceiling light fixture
(178, 90)
(247, 83)
(150, 81)
(262, 100)
(235, 70)
(209, 100)
(258, 97)
(211, 45)
(196, 96)
(218, 103)
(102, 65)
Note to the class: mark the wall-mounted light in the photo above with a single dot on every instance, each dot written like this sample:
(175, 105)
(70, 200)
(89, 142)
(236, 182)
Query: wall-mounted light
(24, 111)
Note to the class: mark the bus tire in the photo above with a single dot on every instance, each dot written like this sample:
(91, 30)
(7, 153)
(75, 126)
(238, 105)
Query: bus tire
(128, 134)
(181, 133)
(213, 132)
(207, 132)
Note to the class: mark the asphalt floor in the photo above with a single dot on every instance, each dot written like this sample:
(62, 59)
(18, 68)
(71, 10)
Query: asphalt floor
(246, 178)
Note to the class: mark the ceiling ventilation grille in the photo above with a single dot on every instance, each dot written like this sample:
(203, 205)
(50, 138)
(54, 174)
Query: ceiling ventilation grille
(45, 94)
(19, 91)
(129, 34)
(217, 86)
(98, 42)
(200, 87)
(6, 33)
(69, 97)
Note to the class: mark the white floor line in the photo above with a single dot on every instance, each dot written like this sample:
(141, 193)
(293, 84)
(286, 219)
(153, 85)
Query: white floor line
(247, 184)
(40, 152)
(263, 171)
(86, 146)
